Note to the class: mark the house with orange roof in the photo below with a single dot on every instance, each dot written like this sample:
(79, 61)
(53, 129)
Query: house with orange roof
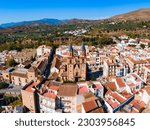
(120, 85)
(136, 64)
(116, 101)
(20, 77)
(30, 97)
(139, 105)
(134, 82)
(67, 95)
(48, 102)
(91, 86)
(93, 106)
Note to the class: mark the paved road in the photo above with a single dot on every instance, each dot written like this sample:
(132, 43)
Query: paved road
(48, 67)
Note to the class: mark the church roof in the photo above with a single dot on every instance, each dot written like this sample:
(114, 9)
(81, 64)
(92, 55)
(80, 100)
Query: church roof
(82, 47)
(70, 48)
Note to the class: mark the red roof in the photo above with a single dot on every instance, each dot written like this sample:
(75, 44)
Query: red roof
(134, 91)
(135, 76)
(120, 82)
(126, 94)
(138, 104)
(83, 89)
(98, 86)
(118, 97)
(131, 84)
(111, 85)
(113, 103)
(90, 105)
(30, 87)
(49, 95)
(54, 88)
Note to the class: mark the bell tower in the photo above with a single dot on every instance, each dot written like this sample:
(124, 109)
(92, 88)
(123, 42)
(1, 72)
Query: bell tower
(70, 49)
(82, 51)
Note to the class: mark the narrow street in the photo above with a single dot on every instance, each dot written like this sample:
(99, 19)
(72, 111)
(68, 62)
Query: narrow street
(48, 67)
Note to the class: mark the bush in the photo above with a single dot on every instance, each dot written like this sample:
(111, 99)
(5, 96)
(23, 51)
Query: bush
(69, 81)
(1, 109)
(142, 46)
(11, 63)
(93, 78)
(3, 85)
(9, 99)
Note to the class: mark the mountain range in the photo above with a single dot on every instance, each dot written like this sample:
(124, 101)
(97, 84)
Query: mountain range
(140, 15)
(45, 21)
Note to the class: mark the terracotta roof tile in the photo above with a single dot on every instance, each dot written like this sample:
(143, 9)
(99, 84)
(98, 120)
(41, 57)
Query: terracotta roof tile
(88, 106)
(111, 85)
(118, 97)
(83, 89)
(67, 90)
(98, 86)
(113, 103)
(19, 75)
(54, 88)
(49, 95)
(120, 82)
(30, 87)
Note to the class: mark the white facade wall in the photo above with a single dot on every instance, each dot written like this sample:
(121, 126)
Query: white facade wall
(145, 97)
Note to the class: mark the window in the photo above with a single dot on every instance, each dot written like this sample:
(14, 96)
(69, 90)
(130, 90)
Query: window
(26, 80)
(19, 79)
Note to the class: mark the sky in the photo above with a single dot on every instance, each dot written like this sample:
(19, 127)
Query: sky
(26, 10)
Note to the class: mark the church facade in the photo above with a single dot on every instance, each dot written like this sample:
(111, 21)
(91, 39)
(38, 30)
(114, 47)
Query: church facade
(73, 68)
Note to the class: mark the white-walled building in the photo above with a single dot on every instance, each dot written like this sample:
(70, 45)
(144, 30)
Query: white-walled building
(41, 50)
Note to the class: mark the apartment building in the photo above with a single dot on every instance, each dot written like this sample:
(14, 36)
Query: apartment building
(24, 55)
(41, 50)
(20, 77)
(30, 97)
(91, 86)
(48, 100)
(147, 74)
(6, 75)
(137, 65)
(116, 101)
(67, 96)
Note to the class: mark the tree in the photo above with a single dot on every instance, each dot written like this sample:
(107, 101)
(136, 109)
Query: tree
(106, 41)
(3, 85)
(142, 46)
(11, 63)
(149, 45)
(33, 58)
(93, 78)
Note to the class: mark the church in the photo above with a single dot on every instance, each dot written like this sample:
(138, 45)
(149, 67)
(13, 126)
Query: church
(73, 67)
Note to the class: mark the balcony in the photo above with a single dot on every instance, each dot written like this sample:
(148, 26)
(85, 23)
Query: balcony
(52, 105)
